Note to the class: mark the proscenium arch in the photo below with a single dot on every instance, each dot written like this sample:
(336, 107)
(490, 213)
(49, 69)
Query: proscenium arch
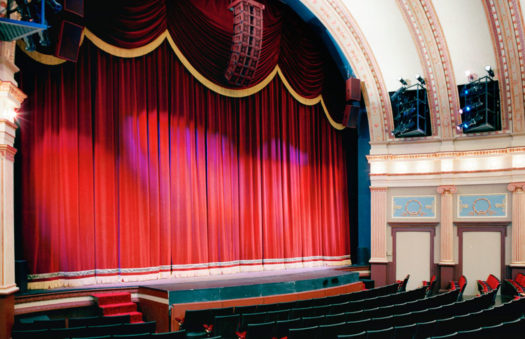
(354, 57)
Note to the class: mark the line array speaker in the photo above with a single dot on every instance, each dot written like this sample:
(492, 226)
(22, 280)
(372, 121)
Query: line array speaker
(247, 41)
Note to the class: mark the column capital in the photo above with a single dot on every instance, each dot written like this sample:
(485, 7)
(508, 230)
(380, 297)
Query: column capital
(378, 189)
(446, 189)
(9, 89)
(8, 152)
(516, 186)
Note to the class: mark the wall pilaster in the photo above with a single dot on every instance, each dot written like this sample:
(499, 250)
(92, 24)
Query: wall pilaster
(446, 242)
(378, 260)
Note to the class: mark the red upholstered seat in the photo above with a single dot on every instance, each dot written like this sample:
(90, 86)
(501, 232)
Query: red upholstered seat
(402, 284)
(460, 284)
(430, 285)
(520, 280)
(491, 284)
(513, 288)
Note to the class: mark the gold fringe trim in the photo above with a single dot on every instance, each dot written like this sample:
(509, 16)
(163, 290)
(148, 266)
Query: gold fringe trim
(46, 59)
(224, 91)
(118, 279)
(126, 52)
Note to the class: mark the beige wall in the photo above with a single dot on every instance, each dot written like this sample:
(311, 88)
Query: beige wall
(413, 256)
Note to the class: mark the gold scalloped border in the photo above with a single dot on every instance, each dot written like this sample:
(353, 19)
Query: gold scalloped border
(224, 91)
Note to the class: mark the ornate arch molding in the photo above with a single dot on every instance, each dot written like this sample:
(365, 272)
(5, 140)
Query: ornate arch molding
(344, 29)
(506, 30)
(423, 24)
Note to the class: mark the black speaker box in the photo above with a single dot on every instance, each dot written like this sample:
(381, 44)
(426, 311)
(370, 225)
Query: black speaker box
(74, 6)
(353, 89)
(351, 116)
(68, 42)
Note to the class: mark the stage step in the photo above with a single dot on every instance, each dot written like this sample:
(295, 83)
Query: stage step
(118, 303)
(134, 317)
(120, 308)
(112, 298)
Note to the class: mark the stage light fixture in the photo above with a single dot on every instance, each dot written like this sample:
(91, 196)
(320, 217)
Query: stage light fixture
(396, 95)
(489, 71)
(420, 79)
(480, 107)
(410, 110)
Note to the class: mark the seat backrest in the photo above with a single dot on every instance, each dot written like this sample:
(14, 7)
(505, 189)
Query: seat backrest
(360, 335)
(195, 319)
(380, 334)
(331, 330)
(303, 332)
(114, 319)
(281, 327)
(221, 311)
(403, 285)
(137, 328)
(171, 335)
(261, 330)
(28, 334)
(493, 282)
(251, 318)
(246, 309)
(84, 321)
(405, 331)
(520, 279)
(226, 325)
(277, 315)
(462, 282)
(51, 323)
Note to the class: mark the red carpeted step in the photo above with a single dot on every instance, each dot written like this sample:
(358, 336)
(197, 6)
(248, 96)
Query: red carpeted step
(134, 317)
(112, 298)
(113, 309)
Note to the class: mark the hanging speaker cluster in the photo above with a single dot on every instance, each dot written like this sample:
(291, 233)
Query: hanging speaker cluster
(71, 28)
(353, 100)
(247, 41)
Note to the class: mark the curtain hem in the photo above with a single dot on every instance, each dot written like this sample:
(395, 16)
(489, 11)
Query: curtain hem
(86, 278)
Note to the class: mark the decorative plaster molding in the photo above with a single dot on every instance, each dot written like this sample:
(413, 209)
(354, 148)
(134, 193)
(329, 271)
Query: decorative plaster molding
(8, 152)
(424, 26)
(7, 290)
(446, 189)
(506, 29)
(385, 109)
(12, 91)
(516, 187)
(342, 26)
(440, 155)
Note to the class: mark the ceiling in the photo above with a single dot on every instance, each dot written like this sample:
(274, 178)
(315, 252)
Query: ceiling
(383, 40)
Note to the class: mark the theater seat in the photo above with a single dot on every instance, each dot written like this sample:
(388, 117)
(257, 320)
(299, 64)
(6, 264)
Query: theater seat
(460, 284)
(491, 284)
(431, 285)
(511, 288)
(402, 284)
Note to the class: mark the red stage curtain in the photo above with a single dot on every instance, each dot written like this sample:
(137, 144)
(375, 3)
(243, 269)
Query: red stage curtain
(132, 169)
(203, 30)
